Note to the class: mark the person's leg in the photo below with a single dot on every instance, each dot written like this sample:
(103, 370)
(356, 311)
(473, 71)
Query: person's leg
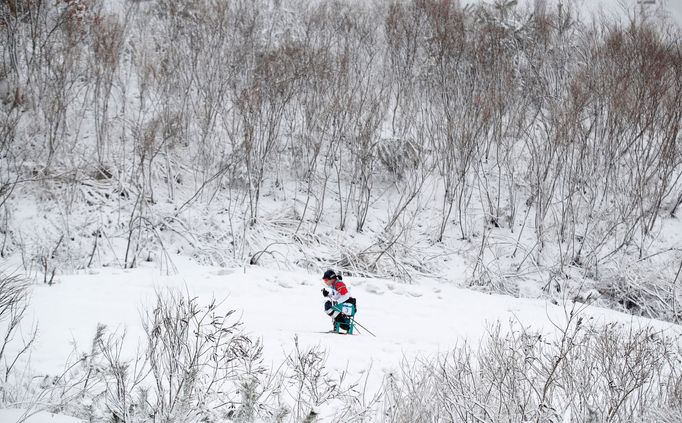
(344, 322)
(328, 308)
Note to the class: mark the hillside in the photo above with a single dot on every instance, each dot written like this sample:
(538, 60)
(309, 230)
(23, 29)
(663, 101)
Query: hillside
(463, 164)
(537, 147)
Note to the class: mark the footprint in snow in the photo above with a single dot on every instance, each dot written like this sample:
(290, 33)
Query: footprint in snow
(409, 292)
(374, 289)
(283, 284)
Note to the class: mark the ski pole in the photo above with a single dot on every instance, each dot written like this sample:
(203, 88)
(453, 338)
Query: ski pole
(370, 332)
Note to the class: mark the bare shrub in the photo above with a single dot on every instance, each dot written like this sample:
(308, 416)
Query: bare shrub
(190, 350)
(645, 289)
(309, 384)
(587, 373)
(14, 345)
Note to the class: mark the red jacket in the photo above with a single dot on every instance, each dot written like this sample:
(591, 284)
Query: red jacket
(339, 292)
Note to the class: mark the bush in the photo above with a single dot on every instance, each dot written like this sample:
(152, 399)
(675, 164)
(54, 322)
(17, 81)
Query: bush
(14, 298)
(588, 374)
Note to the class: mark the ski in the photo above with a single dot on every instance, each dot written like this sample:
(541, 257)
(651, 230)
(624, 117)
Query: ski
(331, 331)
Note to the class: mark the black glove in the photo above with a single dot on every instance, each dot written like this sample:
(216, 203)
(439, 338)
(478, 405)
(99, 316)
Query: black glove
(325, 293)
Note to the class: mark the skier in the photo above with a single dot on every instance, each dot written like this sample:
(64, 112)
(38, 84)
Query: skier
(338, 294)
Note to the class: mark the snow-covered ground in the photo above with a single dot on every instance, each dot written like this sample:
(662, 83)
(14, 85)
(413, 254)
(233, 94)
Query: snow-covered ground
(15, 415)
(421, 319)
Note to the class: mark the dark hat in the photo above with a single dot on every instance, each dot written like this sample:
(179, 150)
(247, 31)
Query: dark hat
(329, 274)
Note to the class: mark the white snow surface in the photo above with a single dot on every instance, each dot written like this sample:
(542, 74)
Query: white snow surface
(409, 320)
(424, 318)
(16, 414)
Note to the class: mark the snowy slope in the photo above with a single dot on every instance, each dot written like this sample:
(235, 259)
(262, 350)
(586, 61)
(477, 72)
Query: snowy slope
(15, 415)
(409, 321)
(424, 318)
